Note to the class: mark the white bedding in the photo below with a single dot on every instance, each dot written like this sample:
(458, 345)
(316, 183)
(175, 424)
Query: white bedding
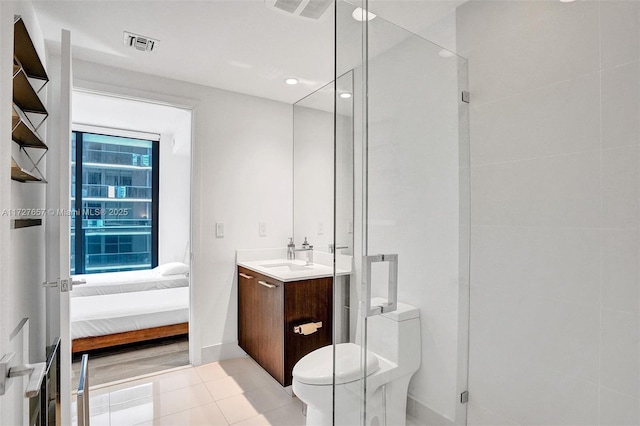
(116, 313)
(126, 281)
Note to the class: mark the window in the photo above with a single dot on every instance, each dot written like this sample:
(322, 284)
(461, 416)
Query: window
(114, 194)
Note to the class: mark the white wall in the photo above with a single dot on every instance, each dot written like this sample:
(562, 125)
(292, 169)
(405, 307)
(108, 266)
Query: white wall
(555, 173)
(242, 175)
(175, 199)
(22, 267)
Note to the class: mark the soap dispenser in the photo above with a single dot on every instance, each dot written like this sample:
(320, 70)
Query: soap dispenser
(290, 249)
(305, 244)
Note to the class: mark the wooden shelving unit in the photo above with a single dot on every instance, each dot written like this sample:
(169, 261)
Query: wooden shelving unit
(25, 51)
(22, 133)
(25, 96)
(29, 112)
(22, 175)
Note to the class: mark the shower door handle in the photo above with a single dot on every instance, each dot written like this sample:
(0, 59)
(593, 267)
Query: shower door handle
(392, 295)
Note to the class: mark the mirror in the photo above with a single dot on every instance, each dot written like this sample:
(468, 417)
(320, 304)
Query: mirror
(314, 159)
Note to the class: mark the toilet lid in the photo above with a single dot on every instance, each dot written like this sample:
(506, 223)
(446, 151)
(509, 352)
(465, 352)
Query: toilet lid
(316, 368)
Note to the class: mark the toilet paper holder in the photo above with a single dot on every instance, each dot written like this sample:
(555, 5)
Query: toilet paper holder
(307, 328)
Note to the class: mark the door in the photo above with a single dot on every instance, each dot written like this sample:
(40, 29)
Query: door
(410, 175)
(58, 196)
(58, 229)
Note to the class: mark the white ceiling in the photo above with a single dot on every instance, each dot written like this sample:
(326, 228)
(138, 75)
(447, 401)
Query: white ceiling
(237, 45)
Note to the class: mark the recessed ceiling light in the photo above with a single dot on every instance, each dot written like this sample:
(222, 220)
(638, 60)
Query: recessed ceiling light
(345, 95)
(567, 1)
(291, 81)
(444, 53)
(360, 15)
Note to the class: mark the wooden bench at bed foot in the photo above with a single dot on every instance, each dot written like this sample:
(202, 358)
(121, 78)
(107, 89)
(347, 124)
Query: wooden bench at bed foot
(98, 342)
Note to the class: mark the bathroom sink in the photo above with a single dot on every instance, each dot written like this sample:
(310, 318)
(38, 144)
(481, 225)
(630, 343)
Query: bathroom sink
(288, 270)
(285, 267)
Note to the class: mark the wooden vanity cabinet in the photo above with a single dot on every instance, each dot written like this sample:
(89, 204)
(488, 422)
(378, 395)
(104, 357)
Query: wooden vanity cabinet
(268, 311)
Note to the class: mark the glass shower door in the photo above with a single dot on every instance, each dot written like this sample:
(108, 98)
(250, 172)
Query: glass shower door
(409, 286)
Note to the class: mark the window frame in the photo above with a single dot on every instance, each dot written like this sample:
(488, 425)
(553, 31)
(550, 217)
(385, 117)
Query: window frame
(79, 131)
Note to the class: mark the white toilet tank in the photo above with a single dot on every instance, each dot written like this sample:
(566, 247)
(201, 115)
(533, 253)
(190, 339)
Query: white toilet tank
(396, 336)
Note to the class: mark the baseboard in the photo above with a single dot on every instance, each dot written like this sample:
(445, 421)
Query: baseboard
(425, 415)
(220, 352)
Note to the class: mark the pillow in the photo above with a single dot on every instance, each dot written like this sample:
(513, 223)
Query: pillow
(171, 268)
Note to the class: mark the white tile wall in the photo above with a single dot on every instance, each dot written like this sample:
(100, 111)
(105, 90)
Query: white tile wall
(620, 32)
(555, 211)
(557, 119)
(621, 187)
(621, 270)
(481, 417)
(559, 263)
(618, 409)
(535, 54)
(549, 191)
(494, 19)
(621, 105)
(620, 352)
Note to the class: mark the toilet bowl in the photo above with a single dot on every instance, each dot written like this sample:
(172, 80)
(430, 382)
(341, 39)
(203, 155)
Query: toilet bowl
(394, 354)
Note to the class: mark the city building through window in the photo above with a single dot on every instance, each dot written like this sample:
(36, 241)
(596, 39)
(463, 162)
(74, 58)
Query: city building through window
(114, 200)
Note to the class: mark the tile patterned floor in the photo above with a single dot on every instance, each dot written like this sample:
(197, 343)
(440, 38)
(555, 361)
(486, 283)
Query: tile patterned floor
(232, 392)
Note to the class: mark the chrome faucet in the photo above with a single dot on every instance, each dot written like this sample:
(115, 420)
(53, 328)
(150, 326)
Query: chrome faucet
(307, 248)
(291, 247)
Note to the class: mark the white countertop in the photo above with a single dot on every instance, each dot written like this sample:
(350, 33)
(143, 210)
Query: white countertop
(274, 264)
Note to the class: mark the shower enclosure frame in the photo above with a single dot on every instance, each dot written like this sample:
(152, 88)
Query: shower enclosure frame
(388, 155)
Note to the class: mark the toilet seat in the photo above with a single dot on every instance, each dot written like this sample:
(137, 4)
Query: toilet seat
(316, 368)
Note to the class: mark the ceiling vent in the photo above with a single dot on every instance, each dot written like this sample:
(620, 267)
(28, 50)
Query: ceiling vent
(309, 9)
(138, 42)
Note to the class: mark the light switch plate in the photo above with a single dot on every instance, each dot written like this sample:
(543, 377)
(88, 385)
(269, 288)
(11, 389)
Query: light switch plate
(320, 228)
(262, 229)
(219, 230)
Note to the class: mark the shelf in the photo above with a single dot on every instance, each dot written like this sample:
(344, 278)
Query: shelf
(26, 53)
(26, 223)
(29, 113)
(25, 96)
(22, 133)
(21, 175)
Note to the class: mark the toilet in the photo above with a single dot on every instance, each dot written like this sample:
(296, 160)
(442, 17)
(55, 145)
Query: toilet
(394, 355)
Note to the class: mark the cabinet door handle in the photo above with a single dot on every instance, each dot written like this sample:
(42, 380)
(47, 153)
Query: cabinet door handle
(266, 284)
(249, 277)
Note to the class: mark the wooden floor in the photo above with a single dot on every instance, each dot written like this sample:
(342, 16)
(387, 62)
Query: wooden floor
(127, 361)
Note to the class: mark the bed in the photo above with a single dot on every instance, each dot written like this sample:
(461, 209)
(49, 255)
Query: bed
(169, 275)
(117, 308)
(115, 319)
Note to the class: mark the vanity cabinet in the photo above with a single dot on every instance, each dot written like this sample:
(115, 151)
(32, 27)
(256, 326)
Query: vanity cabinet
(268, 311)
